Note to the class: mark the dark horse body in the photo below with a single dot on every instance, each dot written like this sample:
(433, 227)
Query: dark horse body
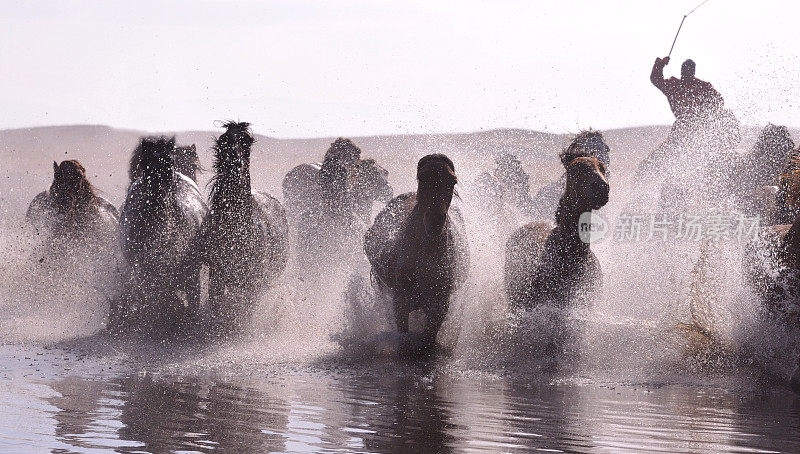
(70, 208)
(330, 204)
(160, 220)
(418, 249)
(548, 263)
(244, 239)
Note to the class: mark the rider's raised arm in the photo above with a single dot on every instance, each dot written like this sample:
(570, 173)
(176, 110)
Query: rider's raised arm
(657, 74)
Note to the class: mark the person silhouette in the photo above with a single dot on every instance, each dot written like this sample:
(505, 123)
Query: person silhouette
(689, 97)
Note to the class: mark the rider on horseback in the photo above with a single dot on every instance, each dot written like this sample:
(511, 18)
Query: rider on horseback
(689, 97)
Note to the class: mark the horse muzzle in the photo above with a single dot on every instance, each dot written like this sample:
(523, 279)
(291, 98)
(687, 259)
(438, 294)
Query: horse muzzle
(600, 198)
(434, 223)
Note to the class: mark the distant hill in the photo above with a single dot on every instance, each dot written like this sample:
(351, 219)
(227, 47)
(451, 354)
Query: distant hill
(27, 155)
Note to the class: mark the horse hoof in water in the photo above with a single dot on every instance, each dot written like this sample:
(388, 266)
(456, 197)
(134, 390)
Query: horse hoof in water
(418, 250)
(417, 346)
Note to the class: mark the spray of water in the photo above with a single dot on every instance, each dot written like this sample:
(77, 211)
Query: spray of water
(631, 330)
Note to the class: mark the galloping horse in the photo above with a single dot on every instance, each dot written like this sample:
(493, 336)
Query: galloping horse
(160, 220)
(551, 264)
(244, 239)
(417, 247)
(330, 204)
(70, 208)
(772, 263)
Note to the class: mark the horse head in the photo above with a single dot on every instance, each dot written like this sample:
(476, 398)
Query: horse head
(586, 180)
(771, 152)
(237, 137)
(157, 162)
(372, 181)
(586, 160)
(338, 167)
(187, 162)
(436, 181)
(70, 188)
(588, 143)
(232, 165)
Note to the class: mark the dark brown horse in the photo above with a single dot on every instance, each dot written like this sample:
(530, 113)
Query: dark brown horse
(548, 263)
(417, 247)
(244, 239)
(70, 208)
(160, 221)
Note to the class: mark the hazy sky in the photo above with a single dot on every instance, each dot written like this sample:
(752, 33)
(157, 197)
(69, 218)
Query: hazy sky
(314, 68)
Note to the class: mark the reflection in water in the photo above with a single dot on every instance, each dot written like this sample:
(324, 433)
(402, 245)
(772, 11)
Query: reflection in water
(78, 401)
(410, 415)
(397, 408)
(167, 415)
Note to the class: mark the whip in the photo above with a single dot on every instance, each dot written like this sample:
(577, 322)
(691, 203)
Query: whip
(681, 25)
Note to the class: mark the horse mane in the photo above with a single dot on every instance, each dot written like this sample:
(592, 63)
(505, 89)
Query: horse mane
(226, 157)
(235, 130)
(342, 149)
(71, 189)
(146, 150)
(587, 143)
(157, 160)
(135, 162)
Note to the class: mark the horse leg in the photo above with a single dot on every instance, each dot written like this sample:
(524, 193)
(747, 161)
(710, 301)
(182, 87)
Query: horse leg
(219, 304)
(216, 290)
(117, 314)
(401, 314)
(435, 315)
(192, 287)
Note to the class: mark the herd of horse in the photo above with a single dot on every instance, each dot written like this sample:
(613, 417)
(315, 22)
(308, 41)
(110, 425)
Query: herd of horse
(197, 265)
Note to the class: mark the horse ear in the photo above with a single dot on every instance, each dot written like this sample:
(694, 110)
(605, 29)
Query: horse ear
(55, 167)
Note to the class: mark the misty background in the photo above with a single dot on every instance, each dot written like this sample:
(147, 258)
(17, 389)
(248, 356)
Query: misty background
(315, 69)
